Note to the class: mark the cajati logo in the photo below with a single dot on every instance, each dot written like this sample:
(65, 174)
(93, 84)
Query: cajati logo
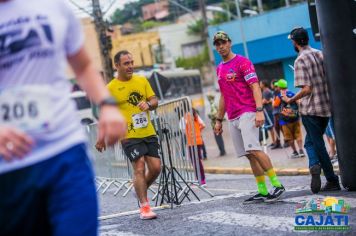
(329, 213)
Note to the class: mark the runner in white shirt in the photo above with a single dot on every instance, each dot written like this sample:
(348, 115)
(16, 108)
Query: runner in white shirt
(46, 182)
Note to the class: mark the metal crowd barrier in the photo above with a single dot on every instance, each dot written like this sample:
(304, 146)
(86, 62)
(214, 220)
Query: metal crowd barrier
(179, 169)
(111, 166)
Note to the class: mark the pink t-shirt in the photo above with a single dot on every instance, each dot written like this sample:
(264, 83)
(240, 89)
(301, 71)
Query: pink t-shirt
(235, 76)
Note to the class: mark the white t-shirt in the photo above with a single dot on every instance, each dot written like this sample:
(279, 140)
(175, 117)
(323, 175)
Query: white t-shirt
(35, 39)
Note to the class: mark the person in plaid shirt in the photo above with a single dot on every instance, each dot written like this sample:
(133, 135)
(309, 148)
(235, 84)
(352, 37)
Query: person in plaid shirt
(314, 108)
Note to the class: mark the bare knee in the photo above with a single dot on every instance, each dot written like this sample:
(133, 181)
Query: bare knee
(139, 167)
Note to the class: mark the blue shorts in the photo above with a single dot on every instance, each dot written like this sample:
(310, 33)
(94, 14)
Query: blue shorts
(53, 197)
(330, 131)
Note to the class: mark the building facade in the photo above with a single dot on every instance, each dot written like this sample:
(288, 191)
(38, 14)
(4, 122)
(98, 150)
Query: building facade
(267, 41)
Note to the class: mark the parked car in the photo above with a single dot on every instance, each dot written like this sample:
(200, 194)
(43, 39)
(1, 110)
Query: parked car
(85, 108)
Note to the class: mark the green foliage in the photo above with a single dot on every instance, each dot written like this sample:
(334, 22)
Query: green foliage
(196, 62)
(197, 28)
(152, 24)
(130, 11)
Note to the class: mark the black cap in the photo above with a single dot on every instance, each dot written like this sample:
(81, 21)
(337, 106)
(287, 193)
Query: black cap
(300, 35)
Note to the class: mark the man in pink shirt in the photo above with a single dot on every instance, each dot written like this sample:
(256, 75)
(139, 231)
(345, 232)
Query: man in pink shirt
(241, 99)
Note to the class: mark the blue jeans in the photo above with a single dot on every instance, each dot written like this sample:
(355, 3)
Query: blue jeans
(53, 197)
(315, 145)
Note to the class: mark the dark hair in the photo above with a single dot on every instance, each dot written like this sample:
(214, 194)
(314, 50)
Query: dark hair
(265, 83)
(119, 54)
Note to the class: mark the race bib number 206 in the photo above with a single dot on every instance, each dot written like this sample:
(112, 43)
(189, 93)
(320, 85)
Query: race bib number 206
(26, 108)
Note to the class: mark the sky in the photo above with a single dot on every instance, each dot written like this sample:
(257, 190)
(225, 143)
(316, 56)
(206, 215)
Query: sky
(103, 3)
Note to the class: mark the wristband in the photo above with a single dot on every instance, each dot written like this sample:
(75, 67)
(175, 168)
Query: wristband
(149, 106)
(108, 101)
(259, 109)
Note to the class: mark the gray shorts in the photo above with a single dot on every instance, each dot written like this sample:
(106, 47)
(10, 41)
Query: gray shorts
(244, 134)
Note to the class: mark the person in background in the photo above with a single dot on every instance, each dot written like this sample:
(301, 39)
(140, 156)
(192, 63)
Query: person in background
(136, 99)
(212, 116)
(267, 99)
(193, 127)
(275, 113)
(309, 75)
(289, 120)
(330, 137)
(241, 99)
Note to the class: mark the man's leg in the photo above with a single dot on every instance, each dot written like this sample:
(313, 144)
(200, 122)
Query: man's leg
(259, 174)
(250, 136)
(139, 180)
(203, 149)
(265, 162)
(316, 128)
(153, 169)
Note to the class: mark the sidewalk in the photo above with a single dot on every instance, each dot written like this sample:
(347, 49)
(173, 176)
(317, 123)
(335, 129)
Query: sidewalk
(230, 164)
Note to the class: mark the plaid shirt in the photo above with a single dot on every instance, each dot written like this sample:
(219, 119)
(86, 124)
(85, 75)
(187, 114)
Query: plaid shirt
(309, 71)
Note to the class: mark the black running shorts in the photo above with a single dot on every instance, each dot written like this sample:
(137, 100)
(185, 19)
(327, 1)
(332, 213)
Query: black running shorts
(135, 148)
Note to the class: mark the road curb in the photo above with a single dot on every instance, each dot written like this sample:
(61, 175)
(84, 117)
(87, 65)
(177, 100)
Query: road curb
(279, 171)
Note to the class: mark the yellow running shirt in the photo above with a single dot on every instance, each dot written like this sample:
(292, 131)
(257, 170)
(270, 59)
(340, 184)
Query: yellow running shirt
(128, 94)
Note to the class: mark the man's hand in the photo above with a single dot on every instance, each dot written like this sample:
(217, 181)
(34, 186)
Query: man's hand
(143, 106)
(286, 99)
(100, 145)
(260, 119)
(218, 128)
(14, 143)
(112, 125)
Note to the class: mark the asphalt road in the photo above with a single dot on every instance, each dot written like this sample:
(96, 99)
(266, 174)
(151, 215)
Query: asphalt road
(223, 214)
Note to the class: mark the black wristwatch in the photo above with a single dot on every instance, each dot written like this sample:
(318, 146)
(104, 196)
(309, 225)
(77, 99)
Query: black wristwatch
(150, 107)
(108, 101)
(259, 109)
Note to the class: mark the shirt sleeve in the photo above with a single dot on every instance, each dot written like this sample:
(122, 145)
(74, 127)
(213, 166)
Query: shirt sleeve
(301, 74)
(74, 38)
(248, 72)
(149, 90)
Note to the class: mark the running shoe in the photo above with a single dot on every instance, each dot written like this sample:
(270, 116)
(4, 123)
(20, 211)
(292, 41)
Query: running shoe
(146, 213)
(295, 154)
(258, 198)
(315, 184)
(301, 153)
(276, 194)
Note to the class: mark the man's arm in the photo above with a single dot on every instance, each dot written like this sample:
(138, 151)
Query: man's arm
(257, 95)
(305, 91)
(151, 104)
(220, 116)
(112, 125)
(221, 110)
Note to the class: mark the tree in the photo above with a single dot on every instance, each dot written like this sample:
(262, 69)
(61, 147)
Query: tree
(130, 11)
(197, 28)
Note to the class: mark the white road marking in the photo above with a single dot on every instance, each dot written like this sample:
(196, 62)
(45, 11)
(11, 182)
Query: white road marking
(247, 220)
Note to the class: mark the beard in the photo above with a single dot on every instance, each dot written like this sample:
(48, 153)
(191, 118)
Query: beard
(296, 49)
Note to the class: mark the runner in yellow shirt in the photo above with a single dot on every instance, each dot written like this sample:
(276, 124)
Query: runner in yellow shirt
(135, 99)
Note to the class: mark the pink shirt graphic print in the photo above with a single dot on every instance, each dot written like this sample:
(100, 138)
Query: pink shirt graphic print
(235, 77)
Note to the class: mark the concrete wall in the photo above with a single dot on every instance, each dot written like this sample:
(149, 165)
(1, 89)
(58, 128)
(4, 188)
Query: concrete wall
(172, 38)
(139, 45)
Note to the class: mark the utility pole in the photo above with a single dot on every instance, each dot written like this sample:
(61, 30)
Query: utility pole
(105, 44)
(241, 28)
(260, 6)
(202, 7)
